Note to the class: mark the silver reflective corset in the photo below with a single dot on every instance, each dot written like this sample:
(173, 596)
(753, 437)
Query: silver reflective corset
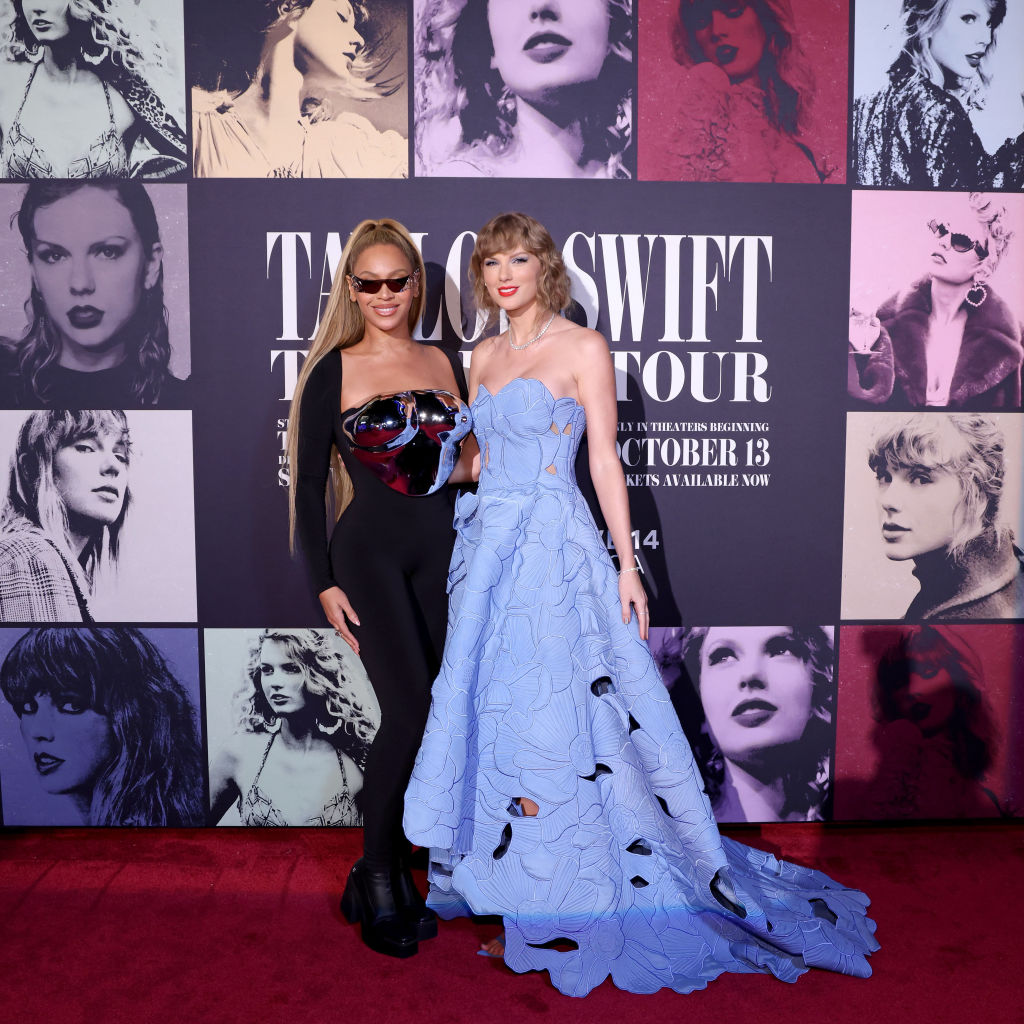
(410, 440)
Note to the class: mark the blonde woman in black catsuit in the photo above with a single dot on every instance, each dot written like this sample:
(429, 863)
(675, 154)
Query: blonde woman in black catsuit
(380, 417)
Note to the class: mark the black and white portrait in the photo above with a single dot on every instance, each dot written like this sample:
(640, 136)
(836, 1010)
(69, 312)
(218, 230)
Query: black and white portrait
(936, 305)
(298, 88)
(937, 87)
(94, 295)
(507, 89)
(290, 719)
(97, 520)
(100, 726)
(933, 512)
(91, 89)
(757, 704)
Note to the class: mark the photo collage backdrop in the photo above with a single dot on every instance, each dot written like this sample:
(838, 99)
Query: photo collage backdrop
(730, 183)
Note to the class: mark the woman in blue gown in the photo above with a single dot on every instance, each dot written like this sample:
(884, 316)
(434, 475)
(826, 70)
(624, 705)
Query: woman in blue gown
(554, 786)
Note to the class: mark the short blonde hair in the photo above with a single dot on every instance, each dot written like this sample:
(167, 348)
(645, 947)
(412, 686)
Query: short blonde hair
(970, 447)
(509, 232)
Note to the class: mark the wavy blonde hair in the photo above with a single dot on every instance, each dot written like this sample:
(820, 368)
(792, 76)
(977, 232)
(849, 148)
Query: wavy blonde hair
(509, 232)
(111, 37)
(970, 447)
(339, 712)
(921, 20)
(341, 326)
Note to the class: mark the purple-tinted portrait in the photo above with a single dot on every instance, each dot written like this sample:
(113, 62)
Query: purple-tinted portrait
(757, 705)
(506, 90)
(99, 726)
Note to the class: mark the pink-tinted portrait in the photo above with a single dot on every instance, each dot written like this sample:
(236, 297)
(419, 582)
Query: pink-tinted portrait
(743, 90)
(936, 301)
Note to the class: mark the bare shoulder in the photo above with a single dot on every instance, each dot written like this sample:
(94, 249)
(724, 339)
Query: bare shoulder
(240, 750)
(581, 344)
(482, 352)
(13, 78)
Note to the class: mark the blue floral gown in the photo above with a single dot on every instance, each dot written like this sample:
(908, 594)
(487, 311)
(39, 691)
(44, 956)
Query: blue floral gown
(544, 693)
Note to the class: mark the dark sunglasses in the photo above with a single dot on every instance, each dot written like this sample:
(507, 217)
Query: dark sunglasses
(395, 284)
(957, 241)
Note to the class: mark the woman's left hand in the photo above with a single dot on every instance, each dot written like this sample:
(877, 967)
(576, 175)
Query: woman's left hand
(631, 593)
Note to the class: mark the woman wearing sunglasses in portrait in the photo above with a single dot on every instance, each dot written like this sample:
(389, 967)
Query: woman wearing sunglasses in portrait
(381, 579)
(917, 130)
(949, 340)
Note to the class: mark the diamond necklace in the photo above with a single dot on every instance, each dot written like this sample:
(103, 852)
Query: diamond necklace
(526, 344)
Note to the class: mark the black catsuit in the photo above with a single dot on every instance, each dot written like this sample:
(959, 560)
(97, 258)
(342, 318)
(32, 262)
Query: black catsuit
(389, 552)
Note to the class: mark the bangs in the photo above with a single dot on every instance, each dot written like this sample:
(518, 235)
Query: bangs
(505, 239)
(511, 231)
(54, 661)
(920, 444)
(69, 426)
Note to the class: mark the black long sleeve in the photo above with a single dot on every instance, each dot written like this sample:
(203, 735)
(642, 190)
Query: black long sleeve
(319, 407)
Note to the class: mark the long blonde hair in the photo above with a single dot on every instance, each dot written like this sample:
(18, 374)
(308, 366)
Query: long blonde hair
(342, 326)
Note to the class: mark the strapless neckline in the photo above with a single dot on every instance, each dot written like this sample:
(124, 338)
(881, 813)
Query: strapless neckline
(416, 392)
(523, 380)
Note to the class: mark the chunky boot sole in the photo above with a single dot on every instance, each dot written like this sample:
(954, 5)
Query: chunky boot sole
(386, 937)
(426, 927)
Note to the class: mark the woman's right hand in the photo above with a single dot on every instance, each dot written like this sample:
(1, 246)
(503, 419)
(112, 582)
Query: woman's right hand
(864, 331)
(339, 612)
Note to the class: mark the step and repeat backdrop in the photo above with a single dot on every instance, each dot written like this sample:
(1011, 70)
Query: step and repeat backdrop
(800, 226)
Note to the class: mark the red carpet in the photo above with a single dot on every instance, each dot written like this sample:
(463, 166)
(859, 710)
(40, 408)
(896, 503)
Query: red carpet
(233, 926)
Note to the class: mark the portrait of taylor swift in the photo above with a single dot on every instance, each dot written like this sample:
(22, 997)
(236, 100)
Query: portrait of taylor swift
(740, 90)
(945, 491)
(511, 89)
(937, 87)
(298, 88)
(96, 521)
(94, 295)
(757, 704)
(285, 705)
(108, 725)
(91, 89)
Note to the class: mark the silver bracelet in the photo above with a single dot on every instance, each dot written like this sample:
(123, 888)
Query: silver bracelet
(635, 568)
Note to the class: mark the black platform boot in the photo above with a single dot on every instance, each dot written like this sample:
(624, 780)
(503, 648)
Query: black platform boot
(411, 905)
(369, 900)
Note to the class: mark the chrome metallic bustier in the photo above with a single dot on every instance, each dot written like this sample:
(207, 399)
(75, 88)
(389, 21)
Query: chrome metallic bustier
(411, 440)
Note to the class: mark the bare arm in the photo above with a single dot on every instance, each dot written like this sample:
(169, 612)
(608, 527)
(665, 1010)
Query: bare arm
(468, 467)
(224, 789)
(595, 379)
